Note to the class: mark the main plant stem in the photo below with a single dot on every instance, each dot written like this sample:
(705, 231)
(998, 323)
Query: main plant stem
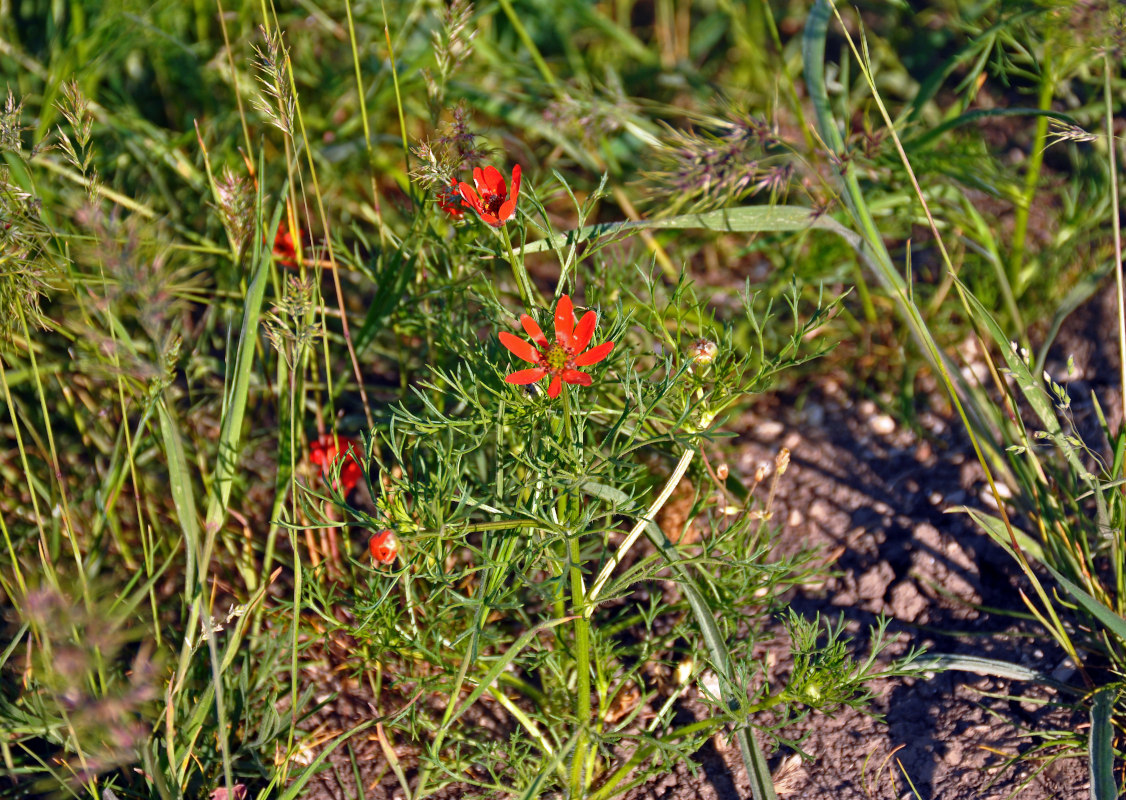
(580, 773)
(523, 282)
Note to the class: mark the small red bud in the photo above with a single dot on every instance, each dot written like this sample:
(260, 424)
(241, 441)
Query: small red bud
(384, 547)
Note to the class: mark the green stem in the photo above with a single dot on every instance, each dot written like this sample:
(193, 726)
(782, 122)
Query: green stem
(221, 712)
(761, 786)
(395, 83)
(1031, 178)
(534, 51)
(470, 657)
(580, 774)
(295, 642)
(523, 282)
(788, 80)
(1112, 151)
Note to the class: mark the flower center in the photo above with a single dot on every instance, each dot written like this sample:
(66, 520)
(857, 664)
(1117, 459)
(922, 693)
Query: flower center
(556, 358)
(493, 202)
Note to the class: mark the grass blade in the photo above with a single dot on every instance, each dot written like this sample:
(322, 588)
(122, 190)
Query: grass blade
(1000, 534)
(1115, 623)
(1100, 746)
(742, 219)
(183, 496)
(939, 662)
(230, 434)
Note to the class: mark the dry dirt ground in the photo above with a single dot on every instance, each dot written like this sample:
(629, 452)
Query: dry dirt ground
(875, 496)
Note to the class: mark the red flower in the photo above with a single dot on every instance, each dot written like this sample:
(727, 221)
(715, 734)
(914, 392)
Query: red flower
(490, 199)
(330, 449)
(384, 547)
(559, 359)
(450, 200)
(285, 249)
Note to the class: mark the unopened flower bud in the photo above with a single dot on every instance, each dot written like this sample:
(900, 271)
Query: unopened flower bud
(761, 472)
(782, 461)
(703, 352)
(722, 471)
(703, 419)
(384, 547)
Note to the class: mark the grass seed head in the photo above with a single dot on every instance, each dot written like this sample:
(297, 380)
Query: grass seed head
(11, 128)
(276, 101)
(727, 159)
(236, 206)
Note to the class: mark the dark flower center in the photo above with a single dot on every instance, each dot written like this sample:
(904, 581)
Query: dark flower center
(493, 202)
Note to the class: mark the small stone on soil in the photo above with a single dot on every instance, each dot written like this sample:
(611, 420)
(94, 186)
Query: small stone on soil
(768, 430)
(873, 584)
(906, 603)
(882, 425)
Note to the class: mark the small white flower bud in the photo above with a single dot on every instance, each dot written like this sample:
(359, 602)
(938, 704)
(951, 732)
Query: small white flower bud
(703, 352)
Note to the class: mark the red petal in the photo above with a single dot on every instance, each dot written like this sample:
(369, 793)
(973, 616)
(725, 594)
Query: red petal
(555, 387)
(470, 197)
(594, 355)
(564, 320)
(525, 376)
(350, 475)
(449, 200)
(574, 376)
(519, 347)
(534, 330)
(584, 331)
(508, 207)
(491, 181)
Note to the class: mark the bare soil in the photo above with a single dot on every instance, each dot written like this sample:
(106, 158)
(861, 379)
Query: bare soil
(877, 496)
